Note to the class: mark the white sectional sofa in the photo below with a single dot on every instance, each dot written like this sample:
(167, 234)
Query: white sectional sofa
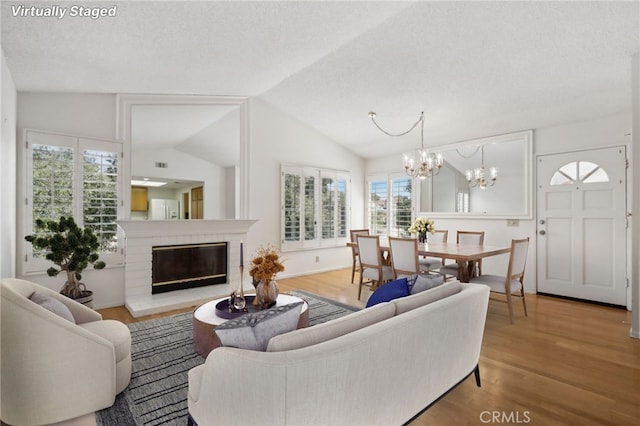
(379, 366)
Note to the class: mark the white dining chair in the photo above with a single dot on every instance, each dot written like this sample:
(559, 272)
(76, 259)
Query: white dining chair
(355, 266)
(404, 256)
(372, 266)
(510, 285)
(430, 264)
(465, 237)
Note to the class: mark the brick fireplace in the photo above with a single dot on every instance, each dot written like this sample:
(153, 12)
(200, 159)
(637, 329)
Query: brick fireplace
(140, 238)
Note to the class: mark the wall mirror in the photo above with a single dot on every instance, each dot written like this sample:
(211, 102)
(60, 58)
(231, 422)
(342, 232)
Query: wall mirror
(195, 147)
(448, 194)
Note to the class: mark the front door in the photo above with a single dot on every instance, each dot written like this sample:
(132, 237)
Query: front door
(581, 214)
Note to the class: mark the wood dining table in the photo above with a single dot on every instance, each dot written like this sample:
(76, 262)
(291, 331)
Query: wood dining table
(466, 255)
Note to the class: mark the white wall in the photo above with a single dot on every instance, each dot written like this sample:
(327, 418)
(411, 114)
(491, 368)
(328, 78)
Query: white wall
(219, 142)
(232, 175)
(7, 172)
(603, 132)
(443, 195)
(278, 138)
(635, 206)
(8, 97)
(614, 130)
(91, 115)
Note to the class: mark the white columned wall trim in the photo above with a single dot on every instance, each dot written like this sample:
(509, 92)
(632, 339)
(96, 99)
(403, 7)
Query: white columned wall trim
(124, 105)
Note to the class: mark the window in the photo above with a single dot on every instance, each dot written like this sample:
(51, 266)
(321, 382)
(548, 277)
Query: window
(71, 176)
(463, 202)
(315, 207)
(389, 204)
(377, 199)
(579, 171)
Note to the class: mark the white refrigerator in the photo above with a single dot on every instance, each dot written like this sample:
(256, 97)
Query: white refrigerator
(164, 209)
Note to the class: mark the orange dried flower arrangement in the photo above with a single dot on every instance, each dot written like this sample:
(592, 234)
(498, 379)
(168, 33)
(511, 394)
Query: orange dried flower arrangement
(266, 264)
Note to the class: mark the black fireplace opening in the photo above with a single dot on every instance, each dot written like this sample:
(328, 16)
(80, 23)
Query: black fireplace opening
(178, 267)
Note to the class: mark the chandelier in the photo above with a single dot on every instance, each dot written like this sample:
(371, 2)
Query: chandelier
(422, 163)
(478, 176)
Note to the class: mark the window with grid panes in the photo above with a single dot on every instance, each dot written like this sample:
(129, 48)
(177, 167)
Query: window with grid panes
(291, 208)
(389, 204)
(401, 207)
(309, 208)
(72, 176)
(320, 207)
(341, 208)
(378, 199)
(328, 208)
(100, 196)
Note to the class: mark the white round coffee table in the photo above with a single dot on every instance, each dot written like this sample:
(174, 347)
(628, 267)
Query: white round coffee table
(205, 321)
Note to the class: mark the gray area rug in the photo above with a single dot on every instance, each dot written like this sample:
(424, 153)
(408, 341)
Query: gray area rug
(162, 354)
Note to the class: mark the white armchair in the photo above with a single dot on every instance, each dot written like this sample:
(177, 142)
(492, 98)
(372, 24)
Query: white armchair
(52, 368)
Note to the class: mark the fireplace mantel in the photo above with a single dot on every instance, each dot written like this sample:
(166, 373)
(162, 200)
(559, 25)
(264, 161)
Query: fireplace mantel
(150, 228)
(142, 235)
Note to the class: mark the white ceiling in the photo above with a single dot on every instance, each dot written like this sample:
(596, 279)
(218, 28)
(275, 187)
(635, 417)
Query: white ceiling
(476, 68)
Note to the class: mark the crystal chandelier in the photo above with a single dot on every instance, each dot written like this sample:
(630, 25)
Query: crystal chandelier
(422, 164)
(478, 176)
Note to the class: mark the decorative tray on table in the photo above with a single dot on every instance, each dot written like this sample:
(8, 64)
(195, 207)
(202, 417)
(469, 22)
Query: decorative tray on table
(226, 311)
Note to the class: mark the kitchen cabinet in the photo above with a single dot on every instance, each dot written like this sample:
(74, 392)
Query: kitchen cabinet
(197, 203)
(139, 195)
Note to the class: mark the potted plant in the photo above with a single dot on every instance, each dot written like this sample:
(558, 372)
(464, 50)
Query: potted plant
(72, 249)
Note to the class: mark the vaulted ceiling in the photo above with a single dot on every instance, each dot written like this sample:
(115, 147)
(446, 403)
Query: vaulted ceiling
(475, 68)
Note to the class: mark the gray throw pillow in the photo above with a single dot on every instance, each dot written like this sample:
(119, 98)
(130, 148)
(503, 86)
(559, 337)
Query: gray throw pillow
(253, 331)
(53, 305)
(422, 282)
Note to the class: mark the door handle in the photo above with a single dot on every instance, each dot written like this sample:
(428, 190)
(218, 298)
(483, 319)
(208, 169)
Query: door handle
(543, 232)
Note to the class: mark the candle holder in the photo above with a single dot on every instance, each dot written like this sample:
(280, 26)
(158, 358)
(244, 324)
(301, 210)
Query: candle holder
(239, 301)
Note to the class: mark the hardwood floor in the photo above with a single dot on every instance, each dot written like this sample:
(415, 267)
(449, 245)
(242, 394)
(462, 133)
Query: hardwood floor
(567, 363)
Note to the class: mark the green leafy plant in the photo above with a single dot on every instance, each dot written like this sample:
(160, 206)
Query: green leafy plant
(69, 247)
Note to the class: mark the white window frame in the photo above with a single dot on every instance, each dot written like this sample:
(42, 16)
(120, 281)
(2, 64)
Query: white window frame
(37, 265)
(597, 174)
(340, 233)
(390, 211)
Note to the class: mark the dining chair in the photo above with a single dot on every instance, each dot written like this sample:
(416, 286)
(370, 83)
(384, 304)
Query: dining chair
(510, 285)
(429, 264)
(354, 250)
(465, 237)
(372, 266)
(404, 256)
